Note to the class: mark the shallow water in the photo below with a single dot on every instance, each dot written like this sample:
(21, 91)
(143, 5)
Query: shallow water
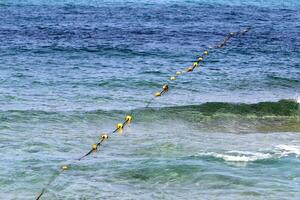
(71, 70)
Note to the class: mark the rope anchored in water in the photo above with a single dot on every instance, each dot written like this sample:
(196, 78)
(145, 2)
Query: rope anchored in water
(95, 146)
(128, 119)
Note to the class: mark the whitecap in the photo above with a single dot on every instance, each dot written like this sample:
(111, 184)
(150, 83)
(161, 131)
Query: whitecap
(289, 149)
(239, 156)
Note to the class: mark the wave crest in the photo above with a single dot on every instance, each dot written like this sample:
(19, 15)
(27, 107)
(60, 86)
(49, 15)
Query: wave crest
(238, 156)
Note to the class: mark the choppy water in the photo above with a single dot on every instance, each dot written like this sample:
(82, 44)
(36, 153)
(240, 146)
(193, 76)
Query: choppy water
(71, 70)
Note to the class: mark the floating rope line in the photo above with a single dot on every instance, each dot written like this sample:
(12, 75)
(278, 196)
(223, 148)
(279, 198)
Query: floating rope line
(128, 119)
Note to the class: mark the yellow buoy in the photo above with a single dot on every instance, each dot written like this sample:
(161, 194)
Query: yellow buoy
(157, 94)
(200, 59)
(128, 118)
(189, 69)
(178, 73)
(166, 87)
(119, 126)
(104, 137)
(205, 52)
(65, 167)
(172, 78)
(195, 64)
(94, 147)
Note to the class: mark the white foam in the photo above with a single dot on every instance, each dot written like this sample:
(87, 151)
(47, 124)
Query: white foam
(239, 156)
(289, 149)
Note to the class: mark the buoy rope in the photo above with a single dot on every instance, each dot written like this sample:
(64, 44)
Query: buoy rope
(128, 119)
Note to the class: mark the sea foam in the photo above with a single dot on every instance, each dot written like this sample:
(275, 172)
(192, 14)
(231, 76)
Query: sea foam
(239, 156)
(289, 149)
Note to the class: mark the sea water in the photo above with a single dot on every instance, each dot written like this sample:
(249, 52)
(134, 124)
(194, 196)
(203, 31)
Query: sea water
(70, 70)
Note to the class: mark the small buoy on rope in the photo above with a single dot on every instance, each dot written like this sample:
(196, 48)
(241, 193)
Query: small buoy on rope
(120, 127)
(165, 87)
(104, 137)
(128, 119)
(157, 94)
(94, 147)
(189, 69)
(196, 64)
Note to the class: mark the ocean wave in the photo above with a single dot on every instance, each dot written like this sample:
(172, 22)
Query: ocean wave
(280, 151)
(281, 116)
(287, 150)
(281, 108)
(234, 156)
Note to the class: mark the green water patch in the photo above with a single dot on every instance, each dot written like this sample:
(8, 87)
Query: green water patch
(281, 116)
(162, 173)
(280, 108)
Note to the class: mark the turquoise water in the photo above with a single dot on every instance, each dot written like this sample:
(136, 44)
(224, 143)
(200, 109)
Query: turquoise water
(72, 70)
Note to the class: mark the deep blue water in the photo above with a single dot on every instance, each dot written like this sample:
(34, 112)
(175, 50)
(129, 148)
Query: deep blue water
(71, 70)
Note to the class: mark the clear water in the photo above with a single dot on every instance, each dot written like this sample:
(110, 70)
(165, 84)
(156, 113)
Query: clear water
(71, 70)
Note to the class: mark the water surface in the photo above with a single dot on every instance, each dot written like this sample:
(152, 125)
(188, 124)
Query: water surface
(71, 70)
